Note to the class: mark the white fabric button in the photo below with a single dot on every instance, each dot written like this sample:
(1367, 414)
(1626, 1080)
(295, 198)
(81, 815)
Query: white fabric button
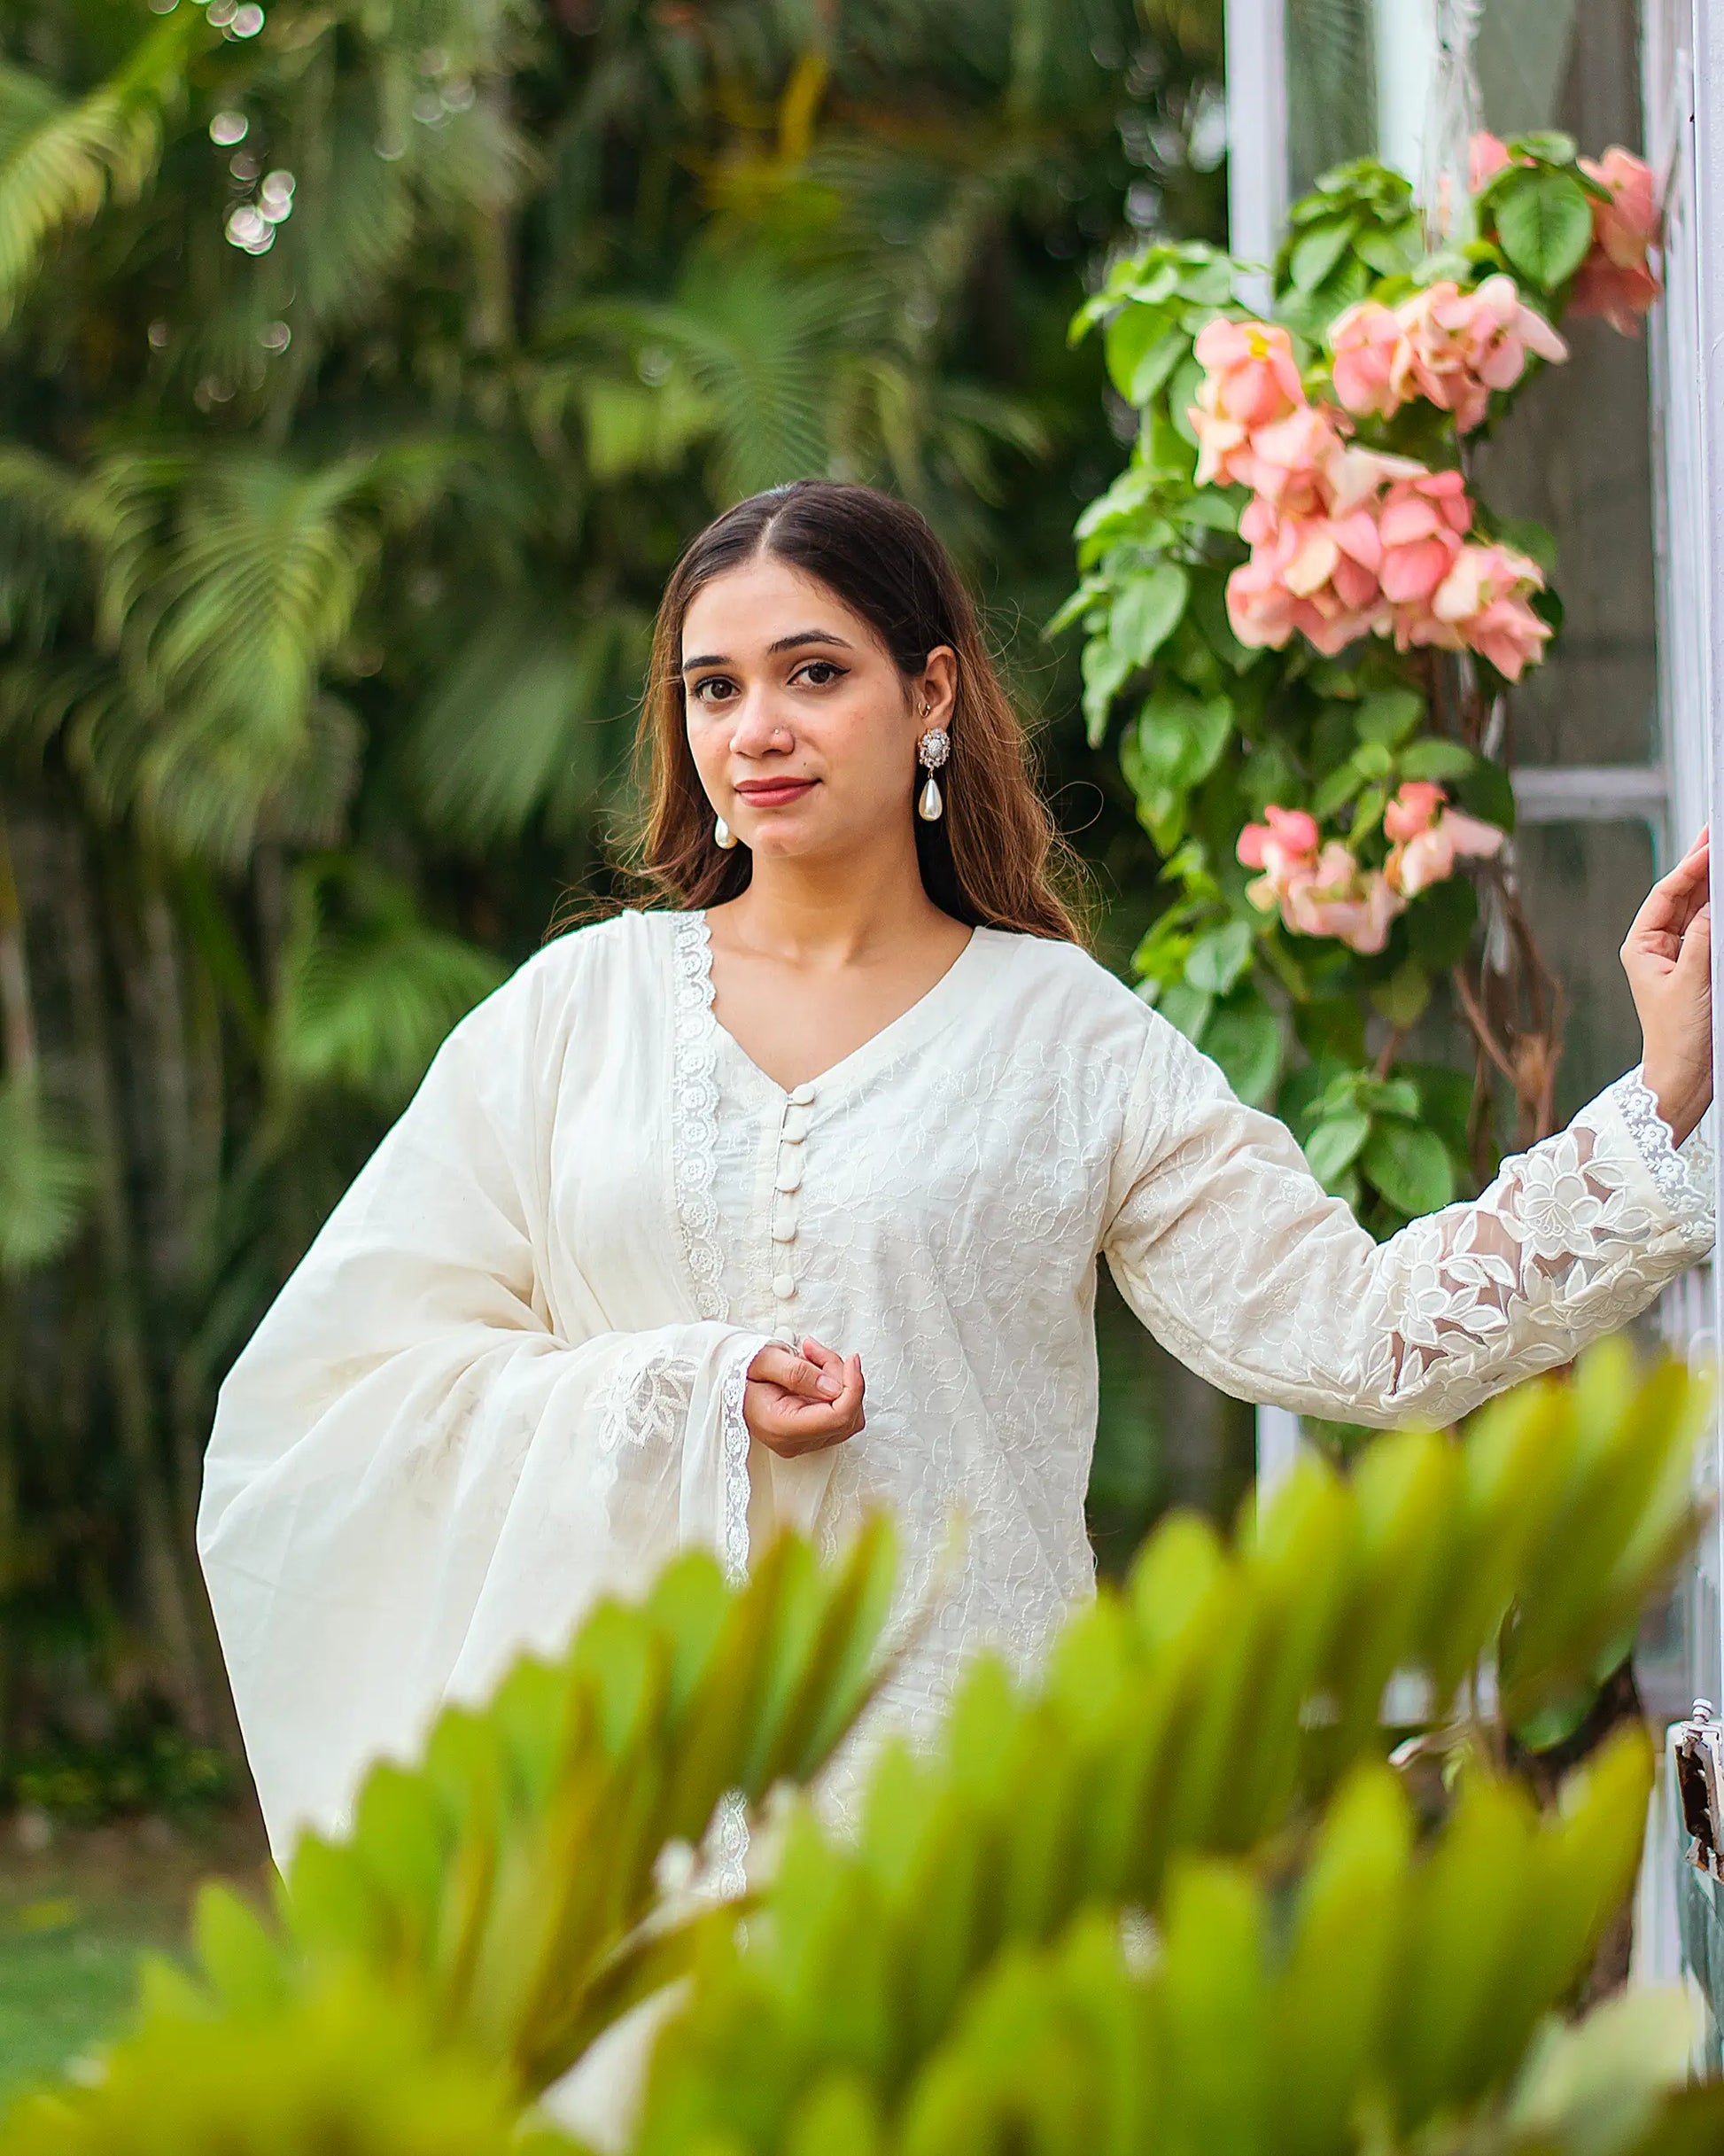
(789, 1172)
(784, 1286)
(796, 1127)
(784, 1225)
(802, 1096)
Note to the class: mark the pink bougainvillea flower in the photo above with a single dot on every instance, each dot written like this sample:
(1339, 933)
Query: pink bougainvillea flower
(1485, 156)
(1306, 576)
(1617, 280)
(1484, 605)
(1284, 837)
(1250, 372)
(1251, 379)
(1338, 898)
(1317, 891)
(1464, 345)
(1421, 527)
(1372, 360)
(1290, 460)
(1414, 809)
(1429, 838)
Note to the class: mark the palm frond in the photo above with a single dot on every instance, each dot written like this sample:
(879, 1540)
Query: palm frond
(524, 722)
(45, 1178)
(369, 991)
(60, 159)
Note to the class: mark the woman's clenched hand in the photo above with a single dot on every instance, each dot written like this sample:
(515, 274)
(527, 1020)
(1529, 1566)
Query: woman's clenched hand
(1667, 958)
(796, 1404)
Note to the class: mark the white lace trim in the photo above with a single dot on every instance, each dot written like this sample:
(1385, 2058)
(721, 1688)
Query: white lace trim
(694, 1148)
(733, 1441)
(693, 1118)
(1683, 1174)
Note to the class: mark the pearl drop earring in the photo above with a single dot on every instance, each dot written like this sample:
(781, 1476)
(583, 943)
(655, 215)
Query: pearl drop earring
(931, 752)
(723, 834)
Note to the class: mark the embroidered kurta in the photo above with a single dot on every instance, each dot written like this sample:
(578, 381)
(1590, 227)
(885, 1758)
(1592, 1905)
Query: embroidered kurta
(509, 1374)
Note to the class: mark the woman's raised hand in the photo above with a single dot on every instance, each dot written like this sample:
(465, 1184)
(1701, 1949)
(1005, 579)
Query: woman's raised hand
(1667, 958)
(796, 1404)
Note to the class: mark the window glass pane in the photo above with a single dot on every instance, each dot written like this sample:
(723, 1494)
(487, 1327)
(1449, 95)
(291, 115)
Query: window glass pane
(1577, 455)
(1582, 884)
(1331, 89)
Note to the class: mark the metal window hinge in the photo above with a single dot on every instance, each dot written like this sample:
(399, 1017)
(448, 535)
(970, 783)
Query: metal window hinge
(1700, 1782)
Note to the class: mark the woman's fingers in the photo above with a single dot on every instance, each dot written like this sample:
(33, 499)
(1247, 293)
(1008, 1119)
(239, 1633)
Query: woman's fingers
(791, 1422)
(776, 1364)
(1671, 903)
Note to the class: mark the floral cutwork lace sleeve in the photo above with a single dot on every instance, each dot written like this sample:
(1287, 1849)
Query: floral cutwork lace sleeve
(1240, 1263)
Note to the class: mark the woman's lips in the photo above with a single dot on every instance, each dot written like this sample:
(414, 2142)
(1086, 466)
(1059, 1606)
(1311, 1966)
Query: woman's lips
(773, 793)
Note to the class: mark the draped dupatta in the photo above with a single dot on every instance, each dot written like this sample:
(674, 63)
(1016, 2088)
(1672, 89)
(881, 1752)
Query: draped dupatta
(500, 1385)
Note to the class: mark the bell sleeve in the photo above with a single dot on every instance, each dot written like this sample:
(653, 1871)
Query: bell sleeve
(1234, 1257)
(415, 1474)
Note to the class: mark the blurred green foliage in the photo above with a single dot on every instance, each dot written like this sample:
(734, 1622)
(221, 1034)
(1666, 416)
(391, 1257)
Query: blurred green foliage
(363, 366)
(1167, 1895)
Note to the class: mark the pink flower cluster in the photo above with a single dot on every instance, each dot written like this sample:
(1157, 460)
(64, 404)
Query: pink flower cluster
(1617, 280)
(1449, 347)
(1428, 838)
(1345, 542)
(1320, 888)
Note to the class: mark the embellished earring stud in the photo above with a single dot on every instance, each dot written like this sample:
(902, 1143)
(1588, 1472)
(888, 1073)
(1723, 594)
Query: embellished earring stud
(722, 834)
(931, 752)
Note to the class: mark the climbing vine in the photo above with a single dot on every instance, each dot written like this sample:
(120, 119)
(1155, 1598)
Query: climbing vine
(1303, 621)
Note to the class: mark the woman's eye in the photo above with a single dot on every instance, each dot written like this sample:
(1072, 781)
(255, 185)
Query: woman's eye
(820, 672)
(713, 690)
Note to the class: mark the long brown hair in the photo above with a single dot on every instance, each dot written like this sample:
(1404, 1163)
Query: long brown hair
(995, 859)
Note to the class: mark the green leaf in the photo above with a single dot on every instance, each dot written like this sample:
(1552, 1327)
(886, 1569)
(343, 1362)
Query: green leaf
(1439, 923)
(1551, 145)
(1336, 789)
(1073, 608)
(1435, 759)
(1188, 1008)
(1182, 395)
(1335, 1144)
(1402, 998)
(1544, 222)
(1371, 759)
(1245, 1041)
(1410, 1167)
(1217, 960)
(1181, 737)
(1389, 716)
(1318, 250)
(1105, 668)
(1147, 612)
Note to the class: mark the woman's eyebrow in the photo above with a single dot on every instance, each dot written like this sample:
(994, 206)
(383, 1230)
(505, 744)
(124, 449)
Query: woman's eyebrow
(784, 643)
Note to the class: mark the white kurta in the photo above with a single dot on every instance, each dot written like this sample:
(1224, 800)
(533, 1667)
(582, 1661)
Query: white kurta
(508, 1375)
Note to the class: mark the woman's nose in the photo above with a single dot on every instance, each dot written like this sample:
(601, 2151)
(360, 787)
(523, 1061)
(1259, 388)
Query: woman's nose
(757, 730)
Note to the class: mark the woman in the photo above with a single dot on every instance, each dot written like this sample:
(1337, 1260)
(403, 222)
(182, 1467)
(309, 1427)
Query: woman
(783, 1203)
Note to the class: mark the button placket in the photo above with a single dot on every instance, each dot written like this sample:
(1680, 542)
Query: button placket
(786, 1186)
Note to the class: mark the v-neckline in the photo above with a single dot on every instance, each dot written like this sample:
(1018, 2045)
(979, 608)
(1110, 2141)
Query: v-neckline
(910, 1025)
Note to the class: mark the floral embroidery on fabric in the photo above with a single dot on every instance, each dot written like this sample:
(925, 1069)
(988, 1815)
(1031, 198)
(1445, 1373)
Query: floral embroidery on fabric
(647, 1406)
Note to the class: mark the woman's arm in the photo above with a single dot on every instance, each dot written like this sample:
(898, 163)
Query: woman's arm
(1235, 1257)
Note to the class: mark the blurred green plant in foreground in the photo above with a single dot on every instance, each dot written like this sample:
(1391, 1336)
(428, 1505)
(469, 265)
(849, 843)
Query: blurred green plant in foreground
(1169, 1896)
(363, 367)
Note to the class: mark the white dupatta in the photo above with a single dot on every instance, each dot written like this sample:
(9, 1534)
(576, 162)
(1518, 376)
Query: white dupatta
(499, 1385)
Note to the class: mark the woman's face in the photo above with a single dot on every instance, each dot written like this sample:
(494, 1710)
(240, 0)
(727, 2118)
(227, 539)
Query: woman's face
(804, 731)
